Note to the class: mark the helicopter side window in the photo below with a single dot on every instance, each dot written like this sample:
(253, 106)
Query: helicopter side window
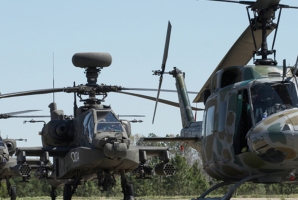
(85, 123)
(204, 125)
(209, 125)
(1, 143)
(229, 77)
(91, 128)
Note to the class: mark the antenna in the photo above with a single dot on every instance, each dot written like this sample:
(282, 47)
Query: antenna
(53, 76)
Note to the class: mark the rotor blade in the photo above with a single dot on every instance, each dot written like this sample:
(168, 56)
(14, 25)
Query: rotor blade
(239, 54)
(154, 90)
(131, 115)
(27, 116)
(171, 103)
(240, 2)
(157, 98)
(259, 4)
(166, 50)
(19, 112)
(163, 65)
(287, 6)
(32, 92)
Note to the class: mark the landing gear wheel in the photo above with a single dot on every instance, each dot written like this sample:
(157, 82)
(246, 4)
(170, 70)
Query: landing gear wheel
(53, 194)
(129, 192)
(67, 193)
(13, 193)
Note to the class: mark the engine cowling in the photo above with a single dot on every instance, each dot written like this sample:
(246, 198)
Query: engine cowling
(58, 133)
(11, 146)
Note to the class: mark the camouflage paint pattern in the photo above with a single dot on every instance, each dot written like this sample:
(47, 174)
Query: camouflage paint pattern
(271, 144)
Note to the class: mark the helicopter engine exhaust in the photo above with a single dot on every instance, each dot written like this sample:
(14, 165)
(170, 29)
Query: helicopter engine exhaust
(165, 169)
(62, 130)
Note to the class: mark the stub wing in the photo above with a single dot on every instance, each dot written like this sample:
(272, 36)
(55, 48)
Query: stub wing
(169, 139)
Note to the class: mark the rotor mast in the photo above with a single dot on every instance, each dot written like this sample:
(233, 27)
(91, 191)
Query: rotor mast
(263, 20)
(92, 63)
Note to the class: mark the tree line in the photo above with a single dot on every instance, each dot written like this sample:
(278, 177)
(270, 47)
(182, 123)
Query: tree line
(189, 180)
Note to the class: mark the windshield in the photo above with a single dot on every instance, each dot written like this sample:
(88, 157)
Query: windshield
(270, 98)
(1, 143)
(107, 122)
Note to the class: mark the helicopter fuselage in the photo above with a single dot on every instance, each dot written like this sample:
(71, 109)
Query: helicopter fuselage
(250, 124)
(96, 140)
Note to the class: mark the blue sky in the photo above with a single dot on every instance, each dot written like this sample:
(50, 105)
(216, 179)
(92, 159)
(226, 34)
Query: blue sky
(133, 32)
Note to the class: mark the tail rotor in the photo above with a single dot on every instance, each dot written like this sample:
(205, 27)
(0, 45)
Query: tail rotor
(163, 66)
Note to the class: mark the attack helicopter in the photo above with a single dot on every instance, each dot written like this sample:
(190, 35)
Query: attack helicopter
(14, 166)
(93, 143)
(249, 127)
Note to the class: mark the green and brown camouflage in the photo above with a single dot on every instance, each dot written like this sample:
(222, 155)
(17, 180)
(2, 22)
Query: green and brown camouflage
(249, 123)
(236, 141)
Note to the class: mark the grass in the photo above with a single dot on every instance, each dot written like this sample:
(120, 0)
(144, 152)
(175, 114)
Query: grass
(102, 198)
(287, 197)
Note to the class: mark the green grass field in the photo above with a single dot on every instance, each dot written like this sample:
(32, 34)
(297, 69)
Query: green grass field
(290, 197)
(100, 198)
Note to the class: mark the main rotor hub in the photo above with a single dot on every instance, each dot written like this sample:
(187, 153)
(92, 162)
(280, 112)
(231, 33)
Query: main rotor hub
(93, 62)
(263, 20)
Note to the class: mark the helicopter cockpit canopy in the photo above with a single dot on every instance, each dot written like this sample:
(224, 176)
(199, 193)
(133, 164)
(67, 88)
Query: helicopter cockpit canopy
(2, 144)
(272, 97)
(3, 152)
(107, 122)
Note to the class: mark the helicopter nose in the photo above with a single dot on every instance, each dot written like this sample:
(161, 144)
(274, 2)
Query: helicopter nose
(115, 150)
(274, 139)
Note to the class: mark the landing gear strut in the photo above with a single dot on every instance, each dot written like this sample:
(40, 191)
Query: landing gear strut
(67, 192)
(127, 188)
(231, 190)
(11, 190)
(53, 193)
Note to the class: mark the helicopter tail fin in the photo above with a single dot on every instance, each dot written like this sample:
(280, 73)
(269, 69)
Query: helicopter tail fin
(185, 107)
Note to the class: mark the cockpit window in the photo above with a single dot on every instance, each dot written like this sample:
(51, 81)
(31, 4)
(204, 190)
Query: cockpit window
(1, 143)
(270, 98)
(107, 122)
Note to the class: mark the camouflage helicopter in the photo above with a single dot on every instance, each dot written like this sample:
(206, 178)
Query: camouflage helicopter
(93, 143)
(249, 127)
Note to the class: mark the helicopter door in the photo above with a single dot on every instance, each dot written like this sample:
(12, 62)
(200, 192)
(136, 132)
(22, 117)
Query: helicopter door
(243, 122)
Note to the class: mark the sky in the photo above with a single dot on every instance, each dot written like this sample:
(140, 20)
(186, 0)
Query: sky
(39, 38)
